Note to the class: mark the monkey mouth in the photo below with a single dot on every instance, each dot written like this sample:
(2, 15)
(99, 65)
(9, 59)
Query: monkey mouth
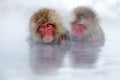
(47, 39)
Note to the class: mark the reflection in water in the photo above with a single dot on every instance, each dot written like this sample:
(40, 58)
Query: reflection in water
(46, 58)
(84, 54)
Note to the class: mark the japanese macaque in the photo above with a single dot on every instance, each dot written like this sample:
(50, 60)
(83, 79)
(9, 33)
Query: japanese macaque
(46, 26)
(85, 25)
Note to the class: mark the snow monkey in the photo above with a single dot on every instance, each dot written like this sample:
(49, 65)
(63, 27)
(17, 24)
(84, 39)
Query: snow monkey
(46, 26)
(85, 25)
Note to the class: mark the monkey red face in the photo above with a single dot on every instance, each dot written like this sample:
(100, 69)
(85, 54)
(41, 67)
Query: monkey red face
(46, 32)
(77, 29)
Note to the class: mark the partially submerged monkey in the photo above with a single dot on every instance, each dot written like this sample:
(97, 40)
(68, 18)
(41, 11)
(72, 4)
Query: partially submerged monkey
(46, 26)
(85, 25)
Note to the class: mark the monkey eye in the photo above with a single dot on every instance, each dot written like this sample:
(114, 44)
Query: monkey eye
(41, 26)
(50, 25)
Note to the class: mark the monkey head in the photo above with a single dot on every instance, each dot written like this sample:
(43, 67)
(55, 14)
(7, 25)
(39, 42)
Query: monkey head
(83, 20)
(46, 26)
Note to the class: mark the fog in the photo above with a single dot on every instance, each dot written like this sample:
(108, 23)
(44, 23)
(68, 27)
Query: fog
(21, 60)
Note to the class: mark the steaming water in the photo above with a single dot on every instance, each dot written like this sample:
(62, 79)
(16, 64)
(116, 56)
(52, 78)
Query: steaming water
(19, 60)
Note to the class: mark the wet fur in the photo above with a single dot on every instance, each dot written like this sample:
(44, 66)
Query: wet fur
(86, 16)
(48, 15)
